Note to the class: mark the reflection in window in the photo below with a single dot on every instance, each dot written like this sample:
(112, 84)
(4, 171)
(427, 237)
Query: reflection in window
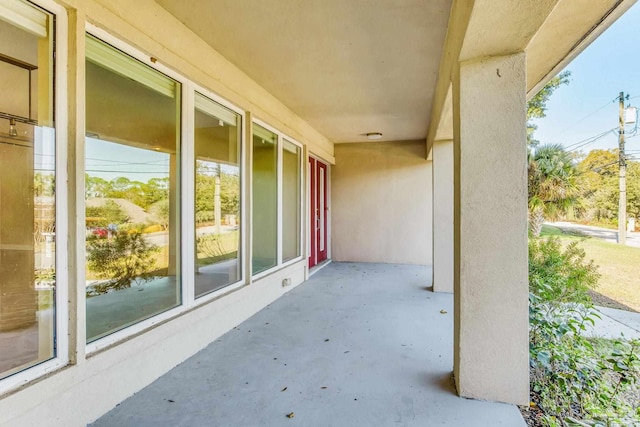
(217, 198)
(132, 181)
(291, 156)
(265, 199)
(27, 189)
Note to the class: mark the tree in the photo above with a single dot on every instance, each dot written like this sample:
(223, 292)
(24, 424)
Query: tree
(44, 184)
(537, 106)
(553, 188)
(108, 213)
(124, 259)
(599, 180)
(162, 211)
(143, 194)
(153, 191)
(96, 186)
(205, 191)
(552, 184)
(600, 185)
(229, 194)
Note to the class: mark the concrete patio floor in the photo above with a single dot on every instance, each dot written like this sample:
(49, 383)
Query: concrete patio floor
(356, 345)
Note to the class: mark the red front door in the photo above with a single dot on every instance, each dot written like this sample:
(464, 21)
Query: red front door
(319, 211)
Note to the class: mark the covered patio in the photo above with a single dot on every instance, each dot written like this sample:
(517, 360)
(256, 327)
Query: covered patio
(389, 139)
(357, 344)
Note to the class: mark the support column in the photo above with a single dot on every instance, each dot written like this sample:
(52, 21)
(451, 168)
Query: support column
(442, 170)
(490, 230)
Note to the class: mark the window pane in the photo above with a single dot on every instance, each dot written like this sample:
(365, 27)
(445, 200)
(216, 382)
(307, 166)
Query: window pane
(265, 199)
(27, 190)
(132, 190)
(217, 201)
(290, 201)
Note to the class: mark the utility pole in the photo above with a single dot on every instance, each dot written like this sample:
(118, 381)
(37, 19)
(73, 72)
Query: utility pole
(622, 203)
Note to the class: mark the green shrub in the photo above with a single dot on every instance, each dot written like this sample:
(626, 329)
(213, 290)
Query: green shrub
(558, 273)
(575, 383)
(204, 216)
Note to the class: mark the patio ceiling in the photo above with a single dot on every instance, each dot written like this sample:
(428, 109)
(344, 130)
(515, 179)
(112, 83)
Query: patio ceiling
(346, 67)
(352, 67)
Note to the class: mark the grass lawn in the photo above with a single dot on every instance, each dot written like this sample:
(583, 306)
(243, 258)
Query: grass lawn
(211, 250)
(619, 266)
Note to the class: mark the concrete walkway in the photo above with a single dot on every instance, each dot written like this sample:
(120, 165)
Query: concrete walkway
(633, 237)
(356, 345)
(616, 324)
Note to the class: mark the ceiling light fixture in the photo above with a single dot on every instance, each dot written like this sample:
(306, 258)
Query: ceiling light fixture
(374, 135)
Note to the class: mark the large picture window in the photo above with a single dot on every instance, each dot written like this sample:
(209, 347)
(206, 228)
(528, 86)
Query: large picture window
(265, 199)
(27, 188)
(291, 196)
(132, 190)
(277, 200)
(217, 195)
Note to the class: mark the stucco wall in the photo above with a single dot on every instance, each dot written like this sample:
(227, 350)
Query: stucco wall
(381, 203)
(91, 384)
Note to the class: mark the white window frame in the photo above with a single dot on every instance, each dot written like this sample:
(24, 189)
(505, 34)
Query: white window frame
(301, 170)
(187, 200)
(278, 204)
(189, 211)
(279, 264)
(184, 304)
(61, 329)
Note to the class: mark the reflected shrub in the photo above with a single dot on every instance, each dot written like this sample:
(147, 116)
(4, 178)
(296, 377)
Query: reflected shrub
(121, 260)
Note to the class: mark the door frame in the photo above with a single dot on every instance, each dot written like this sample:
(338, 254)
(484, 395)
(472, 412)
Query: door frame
(314, 257)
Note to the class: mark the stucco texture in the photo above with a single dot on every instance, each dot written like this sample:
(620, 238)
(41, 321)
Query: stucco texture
(491, 359)
(381, 203)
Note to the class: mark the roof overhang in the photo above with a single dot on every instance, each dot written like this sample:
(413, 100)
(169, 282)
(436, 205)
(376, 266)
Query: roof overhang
(551, 32)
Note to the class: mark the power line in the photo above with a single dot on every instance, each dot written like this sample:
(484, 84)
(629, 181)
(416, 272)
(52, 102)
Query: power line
(120, 171)
(600, 167)
(589, 115)
(119, 162)
(129, 163)
(583, 143)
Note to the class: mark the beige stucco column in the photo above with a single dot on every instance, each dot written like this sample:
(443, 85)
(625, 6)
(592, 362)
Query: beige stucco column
(442, 173)
(490, 230)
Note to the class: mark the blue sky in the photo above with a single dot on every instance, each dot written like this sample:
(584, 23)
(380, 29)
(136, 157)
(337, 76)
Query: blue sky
(109, 160)
(585, 107)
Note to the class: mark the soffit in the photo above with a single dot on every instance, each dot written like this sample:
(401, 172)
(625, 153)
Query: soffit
(551, 32)
(504, 27)
(553, 37)
(346, 67)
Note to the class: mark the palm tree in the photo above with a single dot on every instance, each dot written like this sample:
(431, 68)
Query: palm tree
(553, 190)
